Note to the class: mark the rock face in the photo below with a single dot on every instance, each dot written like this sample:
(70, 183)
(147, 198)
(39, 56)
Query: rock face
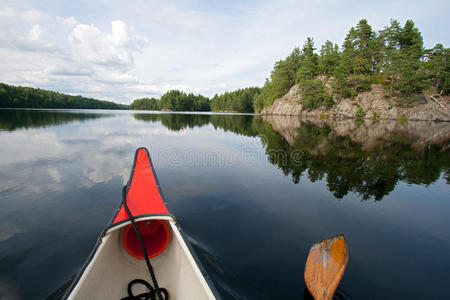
(373, 103)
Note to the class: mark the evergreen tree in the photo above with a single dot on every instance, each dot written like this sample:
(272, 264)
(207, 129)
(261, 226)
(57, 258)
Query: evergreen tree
(309, 62)
(283, 74)
(348, 62)
(411, 41)
(437, 63)
(363, 41)
(241, 100)
(403, 50)
(329, 58)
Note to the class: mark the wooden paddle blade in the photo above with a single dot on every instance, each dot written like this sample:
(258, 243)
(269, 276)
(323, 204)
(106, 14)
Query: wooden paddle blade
(325, 267)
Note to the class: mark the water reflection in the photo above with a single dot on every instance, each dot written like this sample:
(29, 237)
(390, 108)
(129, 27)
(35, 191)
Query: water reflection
(241, 124)
(360, 157)
(367, 158)
(13, 119)
(252, 220)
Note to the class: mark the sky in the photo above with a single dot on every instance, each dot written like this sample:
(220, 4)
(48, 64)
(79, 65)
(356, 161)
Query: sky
(123, 50)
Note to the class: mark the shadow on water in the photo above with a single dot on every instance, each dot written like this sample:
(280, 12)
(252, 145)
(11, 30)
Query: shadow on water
(12, 119)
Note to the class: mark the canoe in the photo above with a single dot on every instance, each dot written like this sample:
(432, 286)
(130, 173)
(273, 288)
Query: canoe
(117, 268)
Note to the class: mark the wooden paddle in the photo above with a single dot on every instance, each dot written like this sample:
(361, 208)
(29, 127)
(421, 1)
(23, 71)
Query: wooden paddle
(325, 267)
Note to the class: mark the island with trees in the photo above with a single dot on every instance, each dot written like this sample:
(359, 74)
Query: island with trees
(385, 74)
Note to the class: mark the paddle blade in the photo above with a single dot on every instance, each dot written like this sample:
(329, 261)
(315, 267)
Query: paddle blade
(325, 267)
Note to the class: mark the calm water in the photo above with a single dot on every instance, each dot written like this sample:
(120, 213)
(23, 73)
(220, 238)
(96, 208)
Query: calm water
(252, 193)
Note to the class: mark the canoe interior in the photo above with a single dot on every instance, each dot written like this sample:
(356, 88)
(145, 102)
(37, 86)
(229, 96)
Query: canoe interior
(112, 268)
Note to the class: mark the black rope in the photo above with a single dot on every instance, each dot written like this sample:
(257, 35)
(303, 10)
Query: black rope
(146, 296)
(157, 290)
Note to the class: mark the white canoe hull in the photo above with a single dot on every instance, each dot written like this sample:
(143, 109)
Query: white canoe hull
(107, 274)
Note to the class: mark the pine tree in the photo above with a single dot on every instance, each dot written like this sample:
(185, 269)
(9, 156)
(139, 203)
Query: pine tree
(437, 63)
(403, 50)
(363, 36)
(309, 62)
(329, 58)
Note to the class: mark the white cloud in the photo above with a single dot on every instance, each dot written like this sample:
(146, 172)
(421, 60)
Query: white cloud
(69, 22)
(7, 12)
(32, 16)
(35, 33)
(101, 61)
(115, 49)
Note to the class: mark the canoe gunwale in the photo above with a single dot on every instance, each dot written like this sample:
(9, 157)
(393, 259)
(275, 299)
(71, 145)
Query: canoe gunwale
(120, 224)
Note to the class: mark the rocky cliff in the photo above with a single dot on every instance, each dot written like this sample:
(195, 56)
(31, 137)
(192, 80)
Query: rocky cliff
(374, 104)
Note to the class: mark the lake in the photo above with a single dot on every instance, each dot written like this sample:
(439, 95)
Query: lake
(252, 194)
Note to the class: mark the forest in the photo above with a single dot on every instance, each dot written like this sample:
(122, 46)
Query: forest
(394, 57)
(173, 100)
(26, 97)
(237, 101)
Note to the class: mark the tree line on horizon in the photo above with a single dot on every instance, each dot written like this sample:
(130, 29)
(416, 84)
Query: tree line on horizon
(26, 97)
(173, 100)
(240, 100)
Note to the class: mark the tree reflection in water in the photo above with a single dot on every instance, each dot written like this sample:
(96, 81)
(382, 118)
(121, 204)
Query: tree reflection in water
(365, 158)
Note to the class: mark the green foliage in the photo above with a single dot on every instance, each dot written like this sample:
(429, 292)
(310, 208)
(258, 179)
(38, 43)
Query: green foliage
(176, 100)
(241, 100)
(265, 98)
(314, 95)
(403, 49)
(437, 64)
(403, 119)
(329, 58)
(26, 97)
(283, 74)
(360, 113)
(358, 123)
(351, 85)
(173, 100)
(308, 67)
(358, 48)
(393, 57)
(374, 117)
(378, 79)
(145, 104)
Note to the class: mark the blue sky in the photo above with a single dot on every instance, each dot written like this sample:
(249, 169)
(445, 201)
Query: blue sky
(121, 50)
